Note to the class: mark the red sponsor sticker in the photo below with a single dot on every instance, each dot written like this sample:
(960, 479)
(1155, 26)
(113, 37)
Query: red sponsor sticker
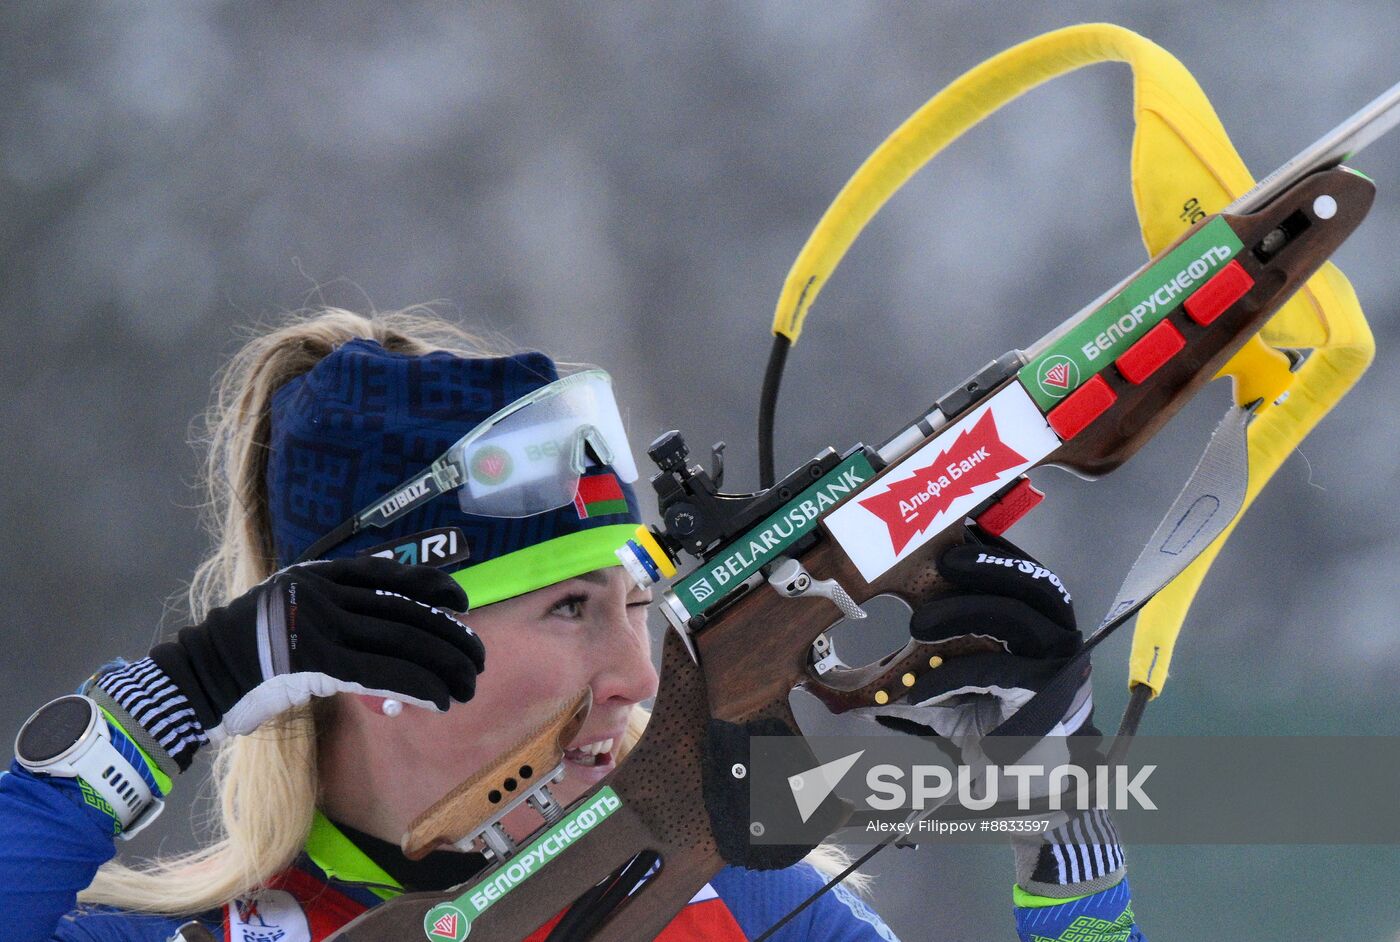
(1058, 376)
(910, 506)
(446, 926)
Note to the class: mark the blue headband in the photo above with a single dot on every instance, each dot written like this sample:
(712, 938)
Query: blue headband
(363, 420)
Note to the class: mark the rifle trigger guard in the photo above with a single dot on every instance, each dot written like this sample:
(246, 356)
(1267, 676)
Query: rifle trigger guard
(792, 580)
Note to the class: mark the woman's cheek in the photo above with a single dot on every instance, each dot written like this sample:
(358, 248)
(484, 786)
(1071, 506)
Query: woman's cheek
(530, 668)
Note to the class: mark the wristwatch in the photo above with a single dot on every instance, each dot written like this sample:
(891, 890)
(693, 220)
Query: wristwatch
(68, 738)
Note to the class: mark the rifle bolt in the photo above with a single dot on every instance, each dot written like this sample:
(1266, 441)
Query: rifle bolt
(1272, 242)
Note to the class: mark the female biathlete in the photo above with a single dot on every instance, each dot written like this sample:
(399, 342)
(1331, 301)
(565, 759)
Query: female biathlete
(339, 693)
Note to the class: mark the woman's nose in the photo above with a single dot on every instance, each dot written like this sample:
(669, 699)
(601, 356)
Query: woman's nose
(624, 673)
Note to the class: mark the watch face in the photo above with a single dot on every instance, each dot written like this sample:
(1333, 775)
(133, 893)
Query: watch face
(54, 729)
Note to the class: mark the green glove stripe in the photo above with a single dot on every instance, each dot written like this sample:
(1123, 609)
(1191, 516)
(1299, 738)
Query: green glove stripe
(1027, 900)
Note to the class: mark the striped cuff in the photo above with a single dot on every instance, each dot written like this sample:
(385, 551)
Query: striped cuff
(1078, 857)
(144, 692)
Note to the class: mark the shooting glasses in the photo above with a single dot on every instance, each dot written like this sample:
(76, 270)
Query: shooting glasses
(524, 460)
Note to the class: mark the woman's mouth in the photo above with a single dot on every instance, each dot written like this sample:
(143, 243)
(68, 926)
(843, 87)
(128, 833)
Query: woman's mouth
(590, 755)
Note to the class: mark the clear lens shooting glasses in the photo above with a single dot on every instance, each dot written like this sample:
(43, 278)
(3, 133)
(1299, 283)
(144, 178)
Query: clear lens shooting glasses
(524, 460)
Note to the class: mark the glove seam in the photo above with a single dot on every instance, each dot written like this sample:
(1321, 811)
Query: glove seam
(1068, 891)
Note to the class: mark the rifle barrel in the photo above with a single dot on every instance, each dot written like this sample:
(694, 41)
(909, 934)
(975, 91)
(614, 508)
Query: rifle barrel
(1337, 145)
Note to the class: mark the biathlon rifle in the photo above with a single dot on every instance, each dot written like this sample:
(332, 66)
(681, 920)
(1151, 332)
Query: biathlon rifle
(780, 567)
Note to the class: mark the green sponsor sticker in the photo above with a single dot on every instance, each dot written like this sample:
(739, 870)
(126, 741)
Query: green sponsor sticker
(446, 923)
(452, 922)
(1097, 341)
(742, 558)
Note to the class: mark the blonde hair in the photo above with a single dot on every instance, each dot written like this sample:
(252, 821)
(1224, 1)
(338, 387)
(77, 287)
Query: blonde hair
(265, 786)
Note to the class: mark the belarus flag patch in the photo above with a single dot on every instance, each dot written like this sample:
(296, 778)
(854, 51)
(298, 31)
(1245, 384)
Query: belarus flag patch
(599, 495)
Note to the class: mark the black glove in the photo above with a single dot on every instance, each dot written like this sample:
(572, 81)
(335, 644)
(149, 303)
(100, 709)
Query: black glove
(999, 592)
(364, 625)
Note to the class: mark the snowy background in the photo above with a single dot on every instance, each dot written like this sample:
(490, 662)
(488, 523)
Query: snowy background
(627, 184)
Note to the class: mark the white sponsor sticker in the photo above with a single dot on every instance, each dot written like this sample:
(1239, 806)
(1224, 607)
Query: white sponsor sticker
(268, 916)
(942, 482)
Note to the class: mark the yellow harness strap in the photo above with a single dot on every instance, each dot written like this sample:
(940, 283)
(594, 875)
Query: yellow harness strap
(1180, 154)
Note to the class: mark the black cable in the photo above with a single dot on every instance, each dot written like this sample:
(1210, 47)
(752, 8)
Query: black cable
(330, 541)
(591, 909)
(1127, 727)
(852, 868)
(568, 927)
(768, 406)
(631, 877)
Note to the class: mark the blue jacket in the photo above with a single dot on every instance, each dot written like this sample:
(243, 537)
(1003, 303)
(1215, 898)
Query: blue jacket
(52, 842)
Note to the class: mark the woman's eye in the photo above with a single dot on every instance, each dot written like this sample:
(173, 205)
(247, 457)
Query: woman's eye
(570, 607)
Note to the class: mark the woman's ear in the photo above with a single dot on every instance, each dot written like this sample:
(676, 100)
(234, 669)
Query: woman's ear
(381, 706)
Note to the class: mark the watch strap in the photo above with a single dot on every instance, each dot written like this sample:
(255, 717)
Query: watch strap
(109, 773)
